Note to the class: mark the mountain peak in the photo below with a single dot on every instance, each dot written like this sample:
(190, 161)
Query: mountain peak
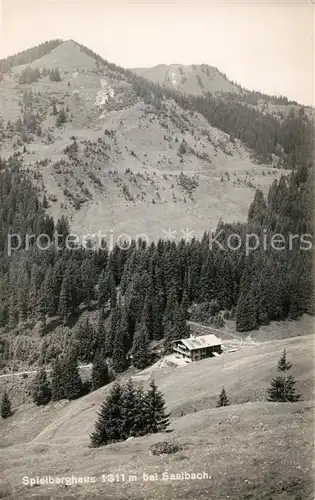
(67, 56)
(196, 79)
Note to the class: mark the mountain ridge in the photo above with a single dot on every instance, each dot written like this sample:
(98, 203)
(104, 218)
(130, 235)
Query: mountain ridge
(137, 171)
(34, 53)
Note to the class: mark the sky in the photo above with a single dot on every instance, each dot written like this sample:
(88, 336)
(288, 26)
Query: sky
(263, 45)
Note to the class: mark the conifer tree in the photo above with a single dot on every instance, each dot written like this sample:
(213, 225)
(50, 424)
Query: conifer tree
(171, 306)
(32, 295)
(45, 202)
(86, 337)
(22, 298)
(176, 328)
(119, 359)
(57, 381)
(100, 373)
(5, 406)
(126, 329)
(157, 317)
(139, 420)
(111, 332)
(282, 388)
(42, 303)
(246, 313)
(185, 303)
(102, 289)
(147, 316)
(109, 423)
(41, 389)
(157, 420)
(223, 399)
(129, 409)
(283, 365)
(72, 379)
(63, 230)
(65, 299)
(140, 348)
(13, 311)
(100, 332)
(89, 276)
(51, 297)
(257, 209)
(112, 291)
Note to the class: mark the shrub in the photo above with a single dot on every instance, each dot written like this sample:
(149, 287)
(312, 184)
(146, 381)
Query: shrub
(54, 75)
(218, 321)
(165, 448)
(29, 75)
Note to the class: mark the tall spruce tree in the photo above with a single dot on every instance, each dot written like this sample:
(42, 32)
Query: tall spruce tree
(46, 297)
(65, 299)
(129, 409)
(157, 420)
(140, 348)
(246, 313)
(110, 332)
(109, 423)
(86, 337)
(147, 315)
(175, 328)
(139, 420)
(41, 392)
(72, 379)
(5, 406)
(185, 304)
(57, 380)
(102, 289)
(282, 388)
(119, 359)
(42, 304)
(100, 373)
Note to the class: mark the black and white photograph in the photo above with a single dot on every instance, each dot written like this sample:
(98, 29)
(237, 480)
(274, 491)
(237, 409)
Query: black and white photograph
(156, 250)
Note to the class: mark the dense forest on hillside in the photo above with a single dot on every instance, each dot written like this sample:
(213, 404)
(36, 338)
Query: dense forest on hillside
(147, 292)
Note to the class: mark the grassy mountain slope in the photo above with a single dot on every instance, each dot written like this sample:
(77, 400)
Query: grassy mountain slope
(128, 178)
(252, 449)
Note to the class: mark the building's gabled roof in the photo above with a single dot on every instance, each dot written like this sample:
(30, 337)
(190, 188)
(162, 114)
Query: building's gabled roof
(200, 341)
